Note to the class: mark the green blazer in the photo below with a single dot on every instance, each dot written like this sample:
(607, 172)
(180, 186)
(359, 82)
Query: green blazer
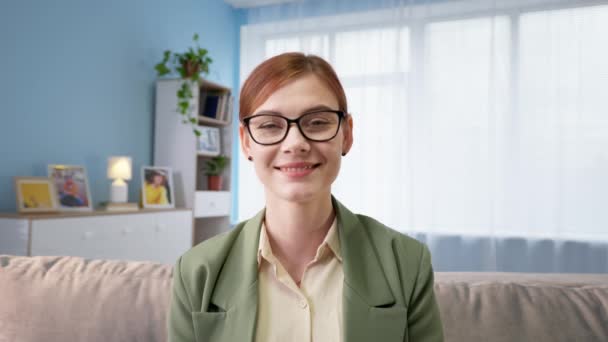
(387, 293)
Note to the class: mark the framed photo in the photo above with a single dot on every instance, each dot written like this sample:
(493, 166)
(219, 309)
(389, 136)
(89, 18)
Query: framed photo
(209, 141)
(35, 195)
(157, 189)
(71, 186)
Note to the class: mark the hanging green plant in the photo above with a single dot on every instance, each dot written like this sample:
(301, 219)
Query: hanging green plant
(189, 65)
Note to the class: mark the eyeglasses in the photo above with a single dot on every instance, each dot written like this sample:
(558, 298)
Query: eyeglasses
(270, 129)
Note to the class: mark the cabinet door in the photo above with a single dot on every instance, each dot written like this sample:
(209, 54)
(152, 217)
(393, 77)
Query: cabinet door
(172, 235)
(88, 237)
(14, 236)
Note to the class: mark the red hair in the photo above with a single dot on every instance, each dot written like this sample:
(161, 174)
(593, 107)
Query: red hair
(278, 71)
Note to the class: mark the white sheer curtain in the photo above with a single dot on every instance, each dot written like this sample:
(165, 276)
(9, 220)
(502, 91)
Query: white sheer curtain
(478, 120)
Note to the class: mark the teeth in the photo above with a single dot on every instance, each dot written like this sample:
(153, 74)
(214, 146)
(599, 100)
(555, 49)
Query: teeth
(295, 169)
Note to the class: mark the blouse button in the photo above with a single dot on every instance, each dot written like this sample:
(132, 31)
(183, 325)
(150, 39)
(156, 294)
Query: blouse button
(302, 303)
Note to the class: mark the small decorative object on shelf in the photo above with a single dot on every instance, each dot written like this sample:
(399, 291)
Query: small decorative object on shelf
(189, 65)
(71, 186)
(213, 170)
(157, 189)
(209, 141)
(119, 169)
(35, 195)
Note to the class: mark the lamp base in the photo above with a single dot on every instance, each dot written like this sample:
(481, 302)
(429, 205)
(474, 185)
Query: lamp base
(119, 191)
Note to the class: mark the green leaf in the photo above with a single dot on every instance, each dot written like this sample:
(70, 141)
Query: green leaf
(195, 38)
(162, 69)
(183, 107)
(193, 120)
(196, 132)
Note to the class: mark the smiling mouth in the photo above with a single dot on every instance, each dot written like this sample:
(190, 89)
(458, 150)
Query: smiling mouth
(298, 169)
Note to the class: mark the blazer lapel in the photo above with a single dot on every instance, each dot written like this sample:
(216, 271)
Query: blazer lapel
(236, 292)
(370, 310)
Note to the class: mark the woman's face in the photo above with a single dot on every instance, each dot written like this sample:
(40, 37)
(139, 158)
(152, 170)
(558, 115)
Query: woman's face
(319, 162)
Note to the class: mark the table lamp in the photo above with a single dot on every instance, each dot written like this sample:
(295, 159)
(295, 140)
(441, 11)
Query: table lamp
(119, 169)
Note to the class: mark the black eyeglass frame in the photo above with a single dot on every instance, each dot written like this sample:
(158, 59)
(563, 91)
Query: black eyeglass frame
(341, 116)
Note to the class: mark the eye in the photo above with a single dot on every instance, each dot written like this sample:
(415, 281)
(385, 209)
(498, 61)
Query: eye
(268, 124)
(318, 122)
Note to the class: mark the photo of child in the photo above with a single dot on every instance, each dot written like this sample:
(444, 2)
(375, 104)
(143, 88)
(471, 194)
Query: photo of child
(71, 186)
(157, 187)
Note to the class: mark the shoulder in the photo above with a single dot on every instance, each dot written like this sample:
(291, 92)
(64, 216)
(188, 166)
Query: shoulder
(404, 259)
(211, 251)
(382, 235)
(197, 270)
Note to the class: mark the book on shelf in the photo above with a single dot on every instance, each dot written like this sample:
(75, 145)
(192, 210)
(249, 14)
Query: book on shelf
(228, 113)
(209, 105)
(222, 112)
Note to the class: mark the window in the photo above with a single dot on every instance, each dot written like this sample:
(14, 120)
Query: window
(466, 123)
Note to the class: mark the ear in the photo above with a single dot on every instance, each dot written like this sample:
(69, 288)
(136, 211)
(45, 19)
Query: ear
(348, 133)
(245, 140)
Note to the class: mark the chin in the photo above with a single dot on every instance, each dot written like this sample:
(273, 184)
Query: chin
(297, 194)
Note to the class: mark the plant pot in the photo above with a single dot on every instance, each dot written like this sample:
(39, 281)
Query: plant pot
(214, 183)
(191, 68)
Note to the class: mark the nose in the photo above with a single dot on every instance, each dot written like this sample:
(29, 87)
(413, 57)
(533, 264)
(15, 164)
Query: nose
(295, 142)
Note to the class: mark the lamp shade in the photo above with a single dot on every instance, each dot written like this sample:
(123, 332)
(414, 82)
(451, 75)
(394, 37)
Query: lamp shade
(119, 168)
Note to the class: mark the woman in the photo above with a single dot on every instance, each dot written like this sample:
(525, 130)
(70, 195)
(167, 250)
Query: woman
(305, 268)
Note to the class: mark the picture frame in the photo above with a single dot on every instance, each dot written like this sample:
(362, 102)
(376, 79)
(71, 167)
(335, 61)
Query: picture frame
(35, 195)
(157, 187)
(209, 141)
(71, 187)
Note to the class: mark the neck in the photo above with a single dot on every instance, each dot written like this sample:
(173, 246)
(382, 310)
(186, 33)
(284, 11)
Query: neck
(296, 229)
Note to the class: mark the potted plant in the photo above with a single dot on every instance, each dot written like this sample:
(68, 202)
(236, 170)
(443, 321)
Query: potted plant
(189, 65)
(213, 170)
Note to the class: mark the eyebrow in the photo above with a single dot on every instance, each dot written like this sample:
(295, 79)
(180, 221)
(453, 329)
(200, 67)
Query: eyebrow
(308, 110)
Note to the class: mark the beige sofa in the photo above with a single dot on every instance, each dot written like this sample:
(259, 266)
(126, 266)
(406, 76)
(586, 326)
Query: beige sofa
(72, 299)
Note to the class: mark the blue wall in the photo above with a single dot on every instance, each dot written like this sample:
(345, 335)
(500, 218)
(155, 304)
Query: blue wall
(78, 80)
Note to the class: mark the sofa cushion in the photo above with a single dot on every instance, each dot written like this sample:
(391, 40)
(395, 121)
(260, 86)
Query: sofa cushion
(73, 299)
(505, 307)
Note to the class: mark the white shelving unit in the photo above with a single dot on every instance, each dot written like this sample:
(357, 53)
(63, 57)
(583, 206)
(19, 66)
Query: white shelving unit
(175, 146)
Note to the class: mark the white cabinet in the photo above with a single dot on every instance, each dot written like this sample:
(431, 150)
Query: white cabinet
(160, 236)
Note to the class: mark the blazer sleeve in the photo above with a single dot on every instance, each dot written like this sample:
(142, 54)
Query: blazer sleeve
(424, 321)
(180, 324)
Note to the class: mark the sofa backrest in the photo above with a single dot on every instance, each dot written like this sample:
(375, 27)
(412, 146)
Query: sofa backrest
(72, 299)
(507, 307)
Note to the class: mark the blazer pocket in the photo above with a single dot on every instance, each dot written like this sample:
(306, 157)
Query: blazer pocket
(390, 322)
(208, 326)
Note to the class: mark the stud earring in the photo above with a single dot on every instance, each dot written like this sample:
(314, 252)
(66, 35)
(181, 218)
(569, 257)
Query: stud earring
(343, 154)
(250, 158)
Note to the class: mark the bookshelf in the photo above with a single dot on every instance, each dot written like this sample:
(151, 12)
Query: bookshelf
(176, 146)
